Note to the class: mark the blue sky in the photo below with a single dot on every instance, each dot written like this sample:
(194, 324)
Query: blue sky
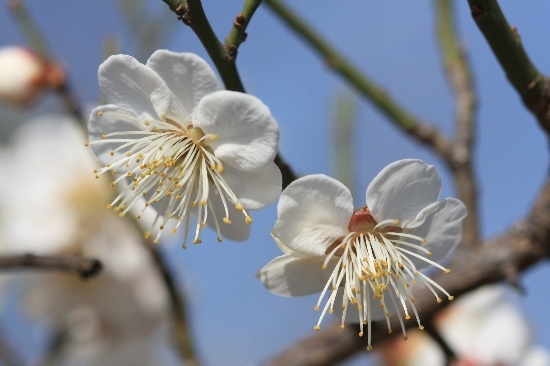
(236, 321)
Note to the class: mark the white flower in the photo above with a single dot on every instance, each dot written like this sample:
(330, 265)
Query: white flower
(23, 74)
(373, 254)
(483, 328)
(185, 144)
(50, 205)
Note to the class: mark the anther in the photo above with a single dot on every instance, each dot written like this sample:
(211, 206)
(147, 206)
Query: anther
(86, 143)
(226, 221)
(451, 298)
(447, 271)
(317, 327)
(341, 326)
(156, 241)
(100, 114)
(237, 206)
(316, 308)
(369, 348)
(248, 220)
(219, 239)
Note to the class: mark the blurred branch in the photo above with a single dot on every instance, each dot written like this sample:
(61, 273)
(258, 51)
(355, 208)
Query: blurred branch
(460, 77)
(179, 309)
(38, 44)
(404, 120)
(343, 146)
(84, 267)
(192, 14)
(532, 86)
(501, 258)
(237, 35)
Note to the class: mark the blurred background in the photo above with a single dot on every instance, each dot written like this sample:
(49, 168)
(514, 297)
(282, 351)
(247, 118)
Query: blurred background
(233, 319)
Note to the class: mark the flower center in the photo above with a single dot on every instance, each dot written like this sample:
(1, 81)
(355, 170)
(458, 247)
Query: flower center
(371, 264)
(172, 168)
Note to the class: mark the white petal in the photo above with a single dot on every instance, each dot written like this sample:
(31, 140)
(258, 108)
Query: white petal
(188, 77)
(295, 275)
(238, 230)
(441, 225)
(279, 243)
(248, 135)
(402, 189)
(106, 119)
(313, 212)
(257, 189)
(131, 85)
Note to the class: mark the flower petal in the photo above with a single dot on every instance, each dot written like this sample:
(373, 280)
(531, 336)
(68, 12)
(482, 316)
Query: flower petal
(106, 119)
(257, 189)
(441, 225)
(402, 189)
(248, 135)
(313, 212)
(295, 274)
(131, 85)
(188, 77)
(279, 243)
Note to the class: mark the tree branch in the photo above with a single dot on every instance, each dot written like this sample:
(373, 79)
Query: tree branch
(532, 86)
(460, 78)
(84, 267)
(401, 118)
(522, 246)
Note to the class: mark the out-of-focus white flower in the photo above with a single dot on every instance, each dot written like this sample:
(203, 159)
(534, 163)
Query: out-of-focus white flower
(373, 254)
(23, 74)
(51, 205)
(483, 328)
(184, 144)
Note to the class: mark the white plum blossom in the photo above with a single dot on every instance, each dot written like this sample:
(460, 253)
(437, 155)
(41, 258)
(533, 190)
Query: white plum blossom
(115, 318)
(369, 258)
(483, 328)
(24, 74)
(179, 144)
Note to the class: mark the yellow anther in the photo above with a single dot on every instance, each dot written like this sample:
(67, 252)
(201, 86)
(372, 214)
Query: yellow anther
(226, 220)
(390, 331)
(407, 316)
(86, 143)
(146, 123)
(420, 327)
(202, 203)
(429, 254)
(451, 298)
(219, 239)
(439, 300)
(447, 271)
(412, 298)
(213, 137)
(112, 153)
(162, 227)
(324, 266)
(341, 326)
(146, 235)
(405, 338)
(316, 308)
(239, 207)
(248, 220)
(424, 240)
(138, 217)
(369, 348)
(331, 311)
(121, 214)
(109, 206)
(360, 334)
(104, 136)
(156, 241)
(203, 224)
(174, 231)
(100, 113)
(112, 184)
(219, 168)
(317, 327)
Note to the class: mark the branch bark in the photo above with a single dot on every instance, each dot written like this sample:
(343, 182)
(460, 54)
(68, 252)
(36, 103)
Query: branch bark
(460, 78)
(84, 267)
(532, 86)
(521, 247)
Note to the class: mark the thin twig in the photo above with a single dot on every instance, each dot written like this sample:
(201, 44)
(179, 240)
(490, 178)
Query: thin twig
(192, 14)
(179, 309)
(84, 267)
(521, 247)
(401, 118)
(237, 35)
(460, 78)
(532, 86)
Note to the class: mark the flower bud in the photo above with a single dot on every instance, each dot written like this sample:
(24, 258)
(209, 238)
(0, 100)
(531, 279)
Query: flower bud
(24, 74)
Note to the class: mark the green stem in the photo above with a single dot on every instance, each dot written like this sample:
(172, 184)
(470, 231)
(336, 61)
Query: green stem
(505, 42)
(368, 89)
(237, 35)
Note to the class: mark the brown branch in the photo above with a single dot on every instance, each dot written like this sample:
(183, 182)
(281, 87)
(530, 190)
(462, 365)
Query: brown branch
(505, 42)
(84, 267)
(460, 78)
(522, 246)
